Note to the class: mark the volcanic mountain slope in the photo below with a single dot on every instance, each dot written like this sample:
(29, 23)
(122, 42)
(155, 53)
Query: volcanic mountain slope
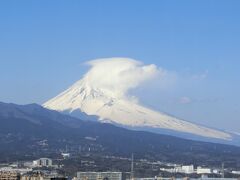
(31, 131)
(110, 105)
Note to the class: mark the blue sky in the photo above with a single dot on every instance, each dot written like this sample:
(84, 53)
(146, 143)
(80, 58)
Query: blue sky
(43, 45)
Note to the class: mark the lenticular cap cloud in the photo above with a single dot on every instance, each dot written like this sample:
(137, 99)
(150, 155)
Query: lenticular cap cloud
(118, 75)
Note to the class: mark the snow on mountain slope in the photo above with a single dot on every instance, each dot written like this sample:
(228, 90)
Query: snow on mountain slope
(102, 92)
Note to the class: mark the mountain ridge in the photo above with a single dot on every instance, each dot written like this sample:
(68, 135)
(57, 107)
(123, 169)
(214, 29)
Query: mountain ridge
(20, 137)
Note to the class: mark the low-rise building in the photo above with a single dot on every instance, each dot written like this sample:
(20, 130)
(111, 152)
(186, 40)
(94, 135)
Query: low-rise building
(33, 176)
(43, 175)
(236, 172)
(99, 175)
(180, 169)
(201, 170)
(66, 155)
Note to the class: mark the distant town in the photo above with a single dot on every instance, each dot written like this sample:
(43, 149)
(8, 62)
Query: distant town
(56, 169)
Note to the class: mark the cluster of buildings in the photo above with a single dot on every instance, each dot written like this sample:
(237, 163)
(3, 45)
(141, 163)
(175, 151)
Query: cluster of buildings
(15, 174)
(36, 170)
(44, 169)
(9, 175)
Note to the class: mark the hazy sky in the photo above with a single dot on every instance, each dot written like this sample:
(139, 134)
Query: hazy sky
(44, 44)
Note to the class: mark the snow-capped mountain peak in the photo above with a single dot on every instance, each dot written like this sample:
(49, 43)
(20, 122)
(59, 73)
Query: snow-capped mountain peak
(105, 97)
(122, 111)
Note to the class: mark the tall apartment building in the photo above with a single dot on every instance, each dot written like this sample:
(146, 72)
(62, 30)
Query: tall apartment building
(42, 162)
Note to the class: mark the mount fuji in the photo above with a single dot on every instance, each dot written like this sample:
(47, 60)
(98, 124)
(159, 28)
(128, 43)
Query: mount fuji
(102, 95)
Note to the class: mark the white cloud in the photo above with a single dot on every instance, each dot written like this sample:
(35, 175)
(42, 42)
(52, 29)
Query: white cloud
(126, 77)
(119, 75)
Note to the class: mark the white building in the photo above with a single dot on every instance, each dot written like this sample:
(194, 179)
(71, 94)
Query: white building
(236, 172)
(42, 162)
(201, 170)
(180, 169)
(188, 169)
(66, 155)
(99, 175)
(216, 171)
